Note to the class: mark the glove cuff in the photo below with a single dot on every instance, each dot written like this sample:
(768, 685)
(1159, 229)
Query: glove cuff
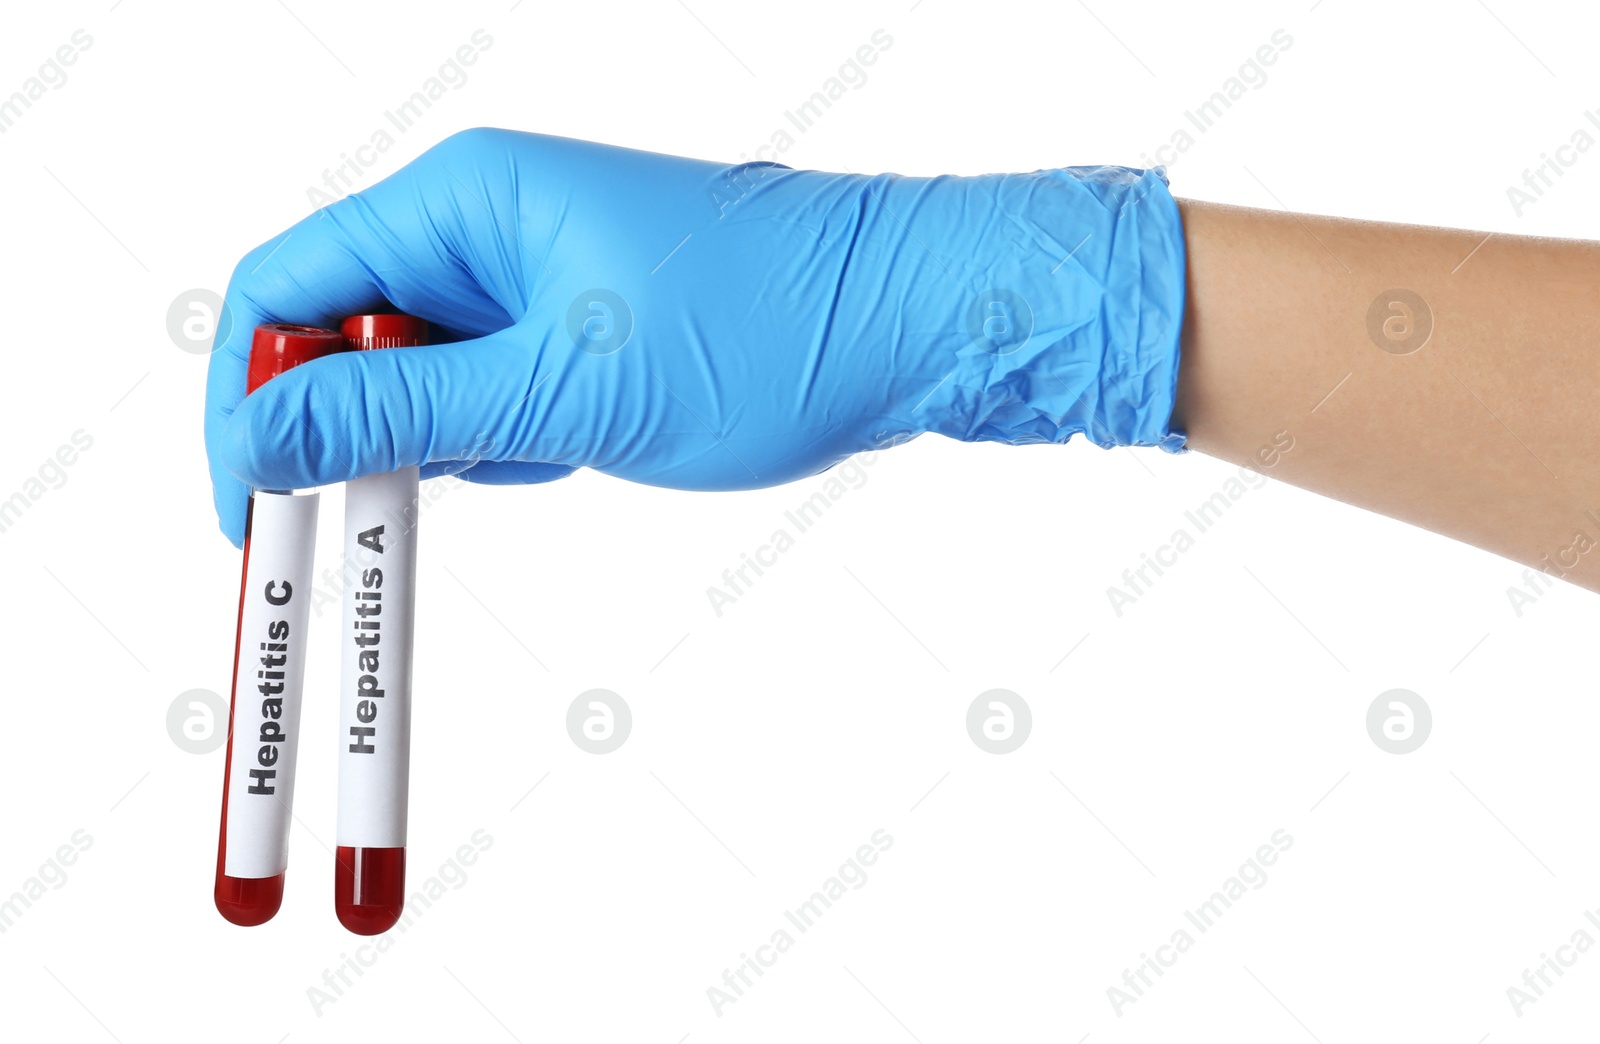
(1082, 337)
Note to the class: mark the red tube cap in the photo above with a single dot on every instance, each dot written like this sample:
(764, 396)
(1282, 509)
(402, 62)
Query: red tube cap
(363, 333)
(277, 347)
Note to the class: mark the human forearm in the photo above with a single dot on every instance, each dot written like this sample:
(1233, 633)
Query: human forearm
(1481, 434)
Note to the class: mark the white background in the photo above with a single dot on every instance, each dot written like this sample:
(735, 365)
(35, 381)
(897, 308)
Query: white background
(830, 701)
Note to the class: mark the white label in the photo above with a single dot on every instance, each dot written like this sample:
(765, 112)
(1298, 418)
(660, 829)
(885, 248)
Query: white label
(380, 534)
(265, 726)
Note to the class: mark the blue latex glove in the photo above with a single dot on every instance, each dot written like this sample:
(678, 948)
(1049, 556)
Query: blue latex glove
(699, 325)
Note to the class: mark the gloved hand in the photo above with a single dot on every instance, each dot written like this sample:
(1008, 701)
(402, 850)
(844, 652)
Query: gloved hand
(699, 325)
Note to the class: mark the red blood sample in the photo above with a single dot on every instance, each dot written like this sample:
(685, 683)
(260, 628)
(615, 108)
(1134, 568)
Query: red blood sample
(369, 884)
(274, 349)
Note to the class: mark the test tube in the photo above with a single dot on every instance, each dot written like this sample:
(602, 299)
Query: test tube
(380, 549)
(269, 660)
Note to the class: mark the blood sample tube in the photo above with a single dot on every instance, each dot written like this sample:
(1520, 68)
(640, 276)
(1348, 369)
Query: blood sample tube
(380, 549)
(269, 660)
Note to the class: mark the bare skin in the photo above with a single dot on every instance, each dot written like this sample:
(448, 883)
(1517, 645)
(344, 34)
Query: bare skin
(1483, 434)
